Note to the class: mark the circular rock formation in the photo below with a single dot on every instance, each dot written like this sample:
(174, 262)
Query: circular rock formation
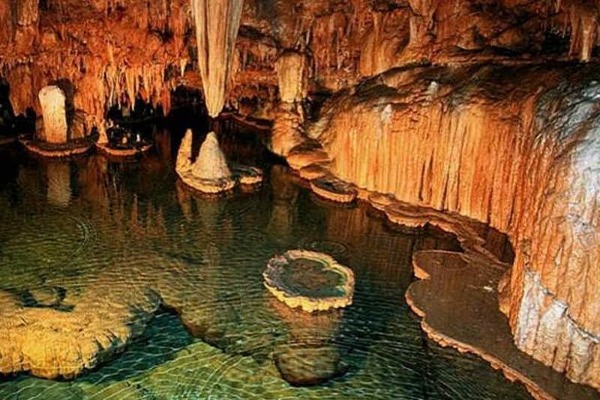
(333, 189)
(309, 280)
(50, 150)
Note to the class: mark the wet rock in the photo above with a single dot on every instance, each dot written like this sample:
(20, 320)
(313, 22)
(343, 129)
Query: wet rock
(47, 296)
(535, 180)
(307, 365)
(211, 163)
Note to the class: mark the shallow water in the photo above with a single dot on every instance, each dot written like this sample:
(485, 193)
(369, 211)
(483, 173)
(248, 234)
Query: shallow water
(90, 228)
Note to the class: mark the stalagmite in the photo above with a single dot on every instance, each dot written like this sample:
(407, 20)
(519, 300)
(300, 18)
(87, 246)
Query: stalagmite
(210, 173)
(217, 23)
(52, 101)
(211, 162)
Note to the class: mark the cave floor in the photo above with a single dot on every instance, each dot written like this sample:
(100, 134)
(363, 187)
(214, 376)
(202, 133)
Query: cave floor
(458, 301)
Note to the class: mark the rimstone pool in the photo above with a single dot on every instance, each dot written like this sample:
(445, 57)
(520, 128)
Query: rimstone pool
(120, 252)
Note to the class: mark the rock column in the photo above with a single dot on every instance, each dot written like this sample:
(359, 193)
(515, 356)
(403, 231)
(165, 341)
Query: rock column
(288, 129)
(52, 100)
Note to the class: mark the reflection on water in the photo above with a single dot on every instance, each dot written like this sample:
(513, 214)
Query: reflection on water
(91, 240)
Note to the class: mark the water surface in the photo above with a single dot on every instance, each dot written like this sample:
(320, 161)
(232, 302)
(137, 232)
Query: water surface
(91, 226)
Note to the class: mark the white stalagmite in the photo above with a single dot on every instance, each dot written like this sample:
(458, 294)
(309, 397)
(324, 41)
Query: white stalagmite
(217, 23)
(211, 163)
(52, 100)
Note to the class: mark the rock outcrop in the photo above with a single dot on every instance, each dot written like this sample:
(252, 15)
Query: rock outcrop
(309, 280)
(52, 100)
(512, 147)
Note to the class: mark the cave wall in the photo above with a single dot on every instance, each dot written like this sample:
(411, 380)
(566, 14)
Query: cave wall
(516, 147)
(109, 48)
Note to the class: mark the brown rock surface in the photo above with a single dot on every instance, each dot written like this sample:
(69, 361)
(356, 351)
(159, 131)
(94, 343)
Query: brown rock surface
(516, 153)
(52, 100)
(133, 47)
(309, 280)
(458, 302)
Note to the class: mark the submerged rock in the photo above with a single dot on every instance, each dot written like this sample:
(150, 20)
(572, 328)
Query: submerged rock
(52, 343)
(309, 365)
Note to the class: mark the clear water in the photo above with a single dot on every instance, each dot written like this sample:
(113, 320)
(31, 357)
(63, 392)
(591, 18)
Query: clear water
(108, 228)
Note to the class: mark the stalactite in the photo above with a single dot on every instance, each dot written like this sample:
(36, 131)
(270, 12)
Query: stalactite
(6, 27)
(217, 23)
(27, 12)
(292, 71)
(584, 30)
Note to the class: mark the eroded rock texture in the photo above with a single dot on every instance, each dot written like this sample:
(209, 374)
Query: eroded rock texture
(113, 52)
(511, 146)
(52, 100)
(211, 162)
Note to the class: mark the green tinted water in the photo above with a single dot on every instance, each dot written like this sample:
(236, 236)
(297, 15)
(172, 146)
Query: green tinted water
(91, 227)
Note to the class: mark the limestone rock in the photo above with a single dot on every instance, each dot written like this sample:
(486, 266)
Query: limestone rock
(308, 365)
(27, 12)
(309, 280)
(211, 163)
(184, 154)
(52, 100)
(52, 343)
(292, 72)
(519, 154)
(288, 131)
(217, 23)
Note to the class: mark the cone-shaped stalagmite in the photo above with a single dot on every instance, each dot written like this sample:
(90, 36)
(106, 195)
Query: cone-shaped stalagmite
(217, 23)
(211, 162)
